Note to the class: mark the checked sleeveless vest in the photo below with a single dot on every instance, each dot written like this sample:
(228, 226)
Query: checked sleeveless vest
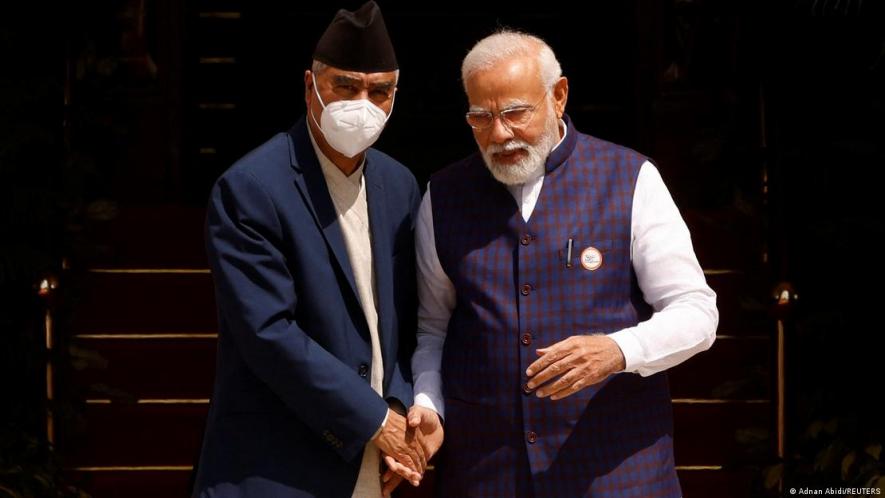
(517, 291)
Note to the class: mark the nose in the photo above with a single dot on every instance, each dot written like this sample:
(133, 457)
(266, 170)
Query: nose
(499, 132)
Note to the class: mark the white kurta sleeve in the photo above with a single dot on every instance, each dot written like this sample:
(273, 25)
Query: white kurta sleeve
(672, 282)
(436, 300)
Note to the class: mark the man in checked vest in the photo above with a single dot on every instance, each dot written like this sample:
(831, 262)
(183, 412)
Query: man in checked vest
(557, 283)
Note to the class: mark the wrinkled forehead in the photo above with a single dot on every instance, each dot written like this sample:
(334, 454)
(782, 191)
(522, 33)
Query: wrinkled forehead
(344, 77)
(512, 81)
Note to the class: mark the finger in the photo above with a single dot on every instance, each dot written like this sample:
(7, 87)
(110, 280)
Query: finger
(415, 416)
(414, 456)
(540, 364)
(398, 468)
(405, 460)
(559, 384)
(388, 472)
(568, 391)
(550, 355)
(429, 421)
(414, 476)
(422, 458)
(555, 369)
(401, 469)
(389, 486)
(416, 449)
(414, 420)
(427, 444)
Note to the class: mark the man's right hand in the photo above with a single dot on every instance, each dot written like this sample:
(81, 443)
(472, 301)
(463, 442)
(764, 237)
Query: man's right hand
(430, 425)
(399, 441)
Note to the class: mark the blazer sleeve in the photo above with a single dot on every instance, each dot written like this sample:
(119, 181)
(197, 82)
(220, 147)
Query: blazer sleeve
(256, 298)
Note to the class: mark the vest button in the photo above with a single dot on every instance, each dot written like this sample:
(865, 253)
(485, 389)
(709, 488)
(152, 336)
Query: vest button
(526, 339)
(526, 239)
(364, 370)
(526, 289)
(531, 437)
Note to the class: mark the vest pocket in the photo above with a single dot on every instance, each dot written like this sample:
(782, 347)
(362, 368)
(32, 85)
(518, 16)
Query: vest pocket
(597, 285)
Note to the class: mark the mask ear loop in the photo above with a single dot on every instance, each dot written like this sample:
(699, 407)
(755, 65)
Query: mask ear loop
(392, 101)
(321, 101)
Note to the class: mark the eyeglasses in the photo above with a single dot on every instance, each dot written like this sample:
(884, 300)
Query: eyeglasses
(513, 117)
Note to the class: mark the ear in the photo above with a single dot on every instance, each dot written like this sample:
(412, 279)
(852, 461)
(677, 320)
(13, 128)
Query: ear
(308, 87)
(560, 96)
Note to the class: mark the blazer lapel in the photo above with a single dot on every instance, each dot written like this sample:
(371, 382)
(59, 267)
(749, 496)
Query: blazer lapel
(381, 254)
(312, 186)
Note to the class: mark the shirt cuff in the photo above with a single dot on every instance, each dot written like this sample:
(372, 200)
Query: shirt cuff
(432, 402)
(631, 348)
(381, 427)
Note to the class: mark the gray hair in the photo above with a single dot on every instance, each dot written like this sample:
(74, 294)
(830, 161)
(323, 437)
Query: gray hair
(508, 43)
(318, 67)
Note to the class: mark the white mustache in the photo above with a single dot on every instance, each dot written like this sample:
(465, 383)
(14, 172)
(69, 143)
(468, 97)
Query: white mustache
(508, 146)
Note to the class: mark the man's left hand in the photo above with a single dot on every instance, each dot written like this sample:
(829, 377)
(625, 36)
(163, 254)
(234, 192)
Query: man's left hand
(578, 362)
(430, 426)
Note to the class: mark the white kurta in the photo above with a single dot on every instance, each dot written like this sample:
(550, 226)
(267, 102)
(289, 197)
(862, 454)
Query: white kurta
(349, 197)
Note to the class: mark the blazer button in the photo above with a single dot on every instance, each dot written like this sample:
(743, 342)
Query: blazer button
(531, 437)
(526, 389)
(526, 239)
(526, 289)
(526, 339)
(364, 370)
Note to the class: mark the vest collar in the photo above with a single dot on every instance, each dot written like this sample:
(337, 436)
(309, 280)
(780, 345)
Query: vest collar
(561, 153)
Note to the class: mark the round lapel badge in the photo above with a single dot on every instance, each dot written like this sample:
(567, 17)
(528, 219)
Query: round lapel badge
(591, 258)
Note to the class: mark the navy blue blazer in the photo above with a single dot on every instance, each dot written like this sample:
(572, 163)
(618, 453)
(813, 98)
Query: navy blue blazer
(292, 406)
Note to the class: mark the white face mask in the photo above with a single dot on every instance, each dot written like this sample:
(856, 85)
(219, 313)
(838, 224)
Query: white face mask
(350, 126)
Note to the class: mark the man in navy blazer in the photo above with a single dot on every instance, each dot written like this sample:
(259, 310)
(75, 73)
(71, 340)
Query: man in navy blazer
(310, 242)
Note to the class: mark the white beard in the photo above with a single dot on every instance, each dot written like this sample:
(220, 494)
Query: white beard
(529, 167)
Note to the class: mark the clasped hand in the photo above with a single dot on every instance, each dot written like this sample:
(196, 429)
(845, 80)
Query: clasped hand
(407, 444)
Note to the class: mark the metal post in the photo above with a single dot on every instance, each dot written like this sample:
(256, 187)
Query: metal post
(46, 290)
